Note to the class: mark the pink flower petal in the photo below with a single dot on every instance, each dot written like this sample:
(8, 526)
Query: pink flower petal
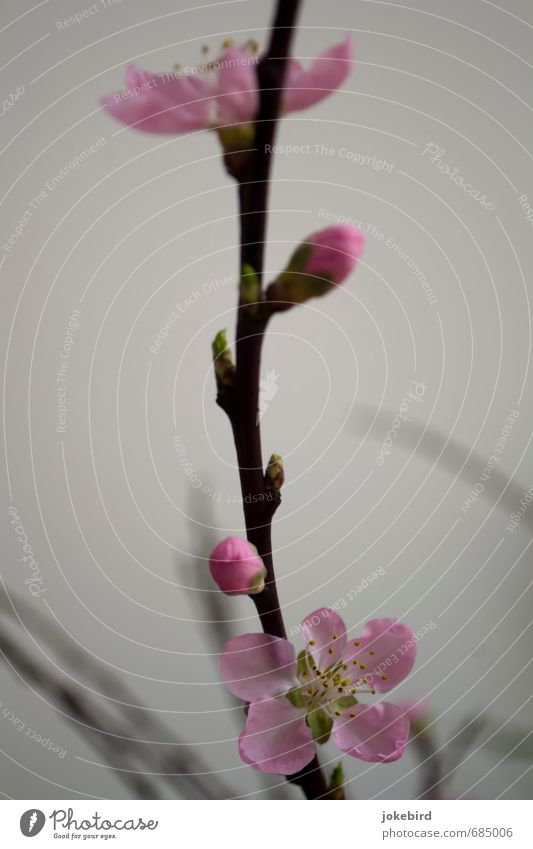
(336, 252)
(372, 732)
(135, 76)
(162, 103)
(327, 72)
(258, 666)
(238, 98)
(276, 738)
(325, 632)
(236, 567)
(416, 709)
(385, 653)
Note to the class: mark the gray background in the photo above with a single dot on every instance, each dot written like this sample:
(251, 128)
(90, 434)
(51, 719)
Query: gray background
(118, 526)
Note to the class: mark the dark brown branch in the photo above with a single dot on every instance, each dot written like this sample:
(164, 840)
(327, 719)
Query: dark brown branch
(241, 399)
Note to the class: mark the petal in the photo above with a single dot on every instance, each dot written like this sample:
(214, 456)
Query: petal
(258, 666)
(238, 97)
(327, 72)
(276, 738)
(336, 251)
(385, 653)
(373, 733)
(135, 76)
(161, 103)
(325, 632)
(236, 567)
(416, 709)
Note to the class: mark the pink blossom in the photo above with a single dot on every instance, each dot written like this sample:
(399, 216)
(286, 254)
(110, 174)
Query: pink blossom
(327, 72)
(223, 93)
(236, 567)
(335, 252)
(416, 709)
(296, 702)
(324, 259)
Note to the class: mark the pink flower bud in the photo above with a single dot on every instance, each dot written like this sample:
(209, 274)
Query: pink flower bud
(335, 252)
(237, 568)
(320, 262)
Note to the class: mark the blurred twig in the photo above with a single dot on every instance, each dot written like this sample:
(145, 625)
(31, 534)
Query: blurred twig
(116, 736)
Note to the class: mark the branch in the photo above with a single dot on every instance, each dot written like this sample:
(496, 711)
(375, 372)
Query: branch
(240, 400)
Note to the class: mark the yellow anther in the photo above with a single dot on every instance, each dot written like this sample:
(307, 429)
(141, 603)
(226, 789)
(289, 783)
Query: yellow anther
(352, 715)
(205, 48)
(312, 642)
(373, 691)
(330, 651)
(355, 662)
(363, 666)
(384, 677)
(372, 652)
(228, 42)
(339, 689)
(335, 636)
(357, 643)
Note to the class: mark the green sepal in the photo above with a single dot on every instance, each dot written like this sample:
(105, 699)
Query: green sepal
(237, 142)
(237, 137)
(296, 288)
(320, 724)
(344, 702)
(336, 783)
(300, 257)
(297, 697)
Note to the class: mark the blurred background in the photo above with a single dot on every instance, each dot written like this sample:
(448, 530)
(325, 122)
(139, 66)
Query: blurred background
(119, 470)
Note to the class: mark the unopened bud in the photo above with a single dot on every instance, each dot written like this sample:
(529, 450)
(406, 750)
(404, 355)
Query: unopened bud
(237, 141)
(222, 359)
(237, 568)
(322, 261)
(275, 475)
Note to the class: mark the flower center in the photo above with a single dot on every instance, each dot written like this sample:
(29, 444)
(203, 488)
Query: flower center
(330, 689)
